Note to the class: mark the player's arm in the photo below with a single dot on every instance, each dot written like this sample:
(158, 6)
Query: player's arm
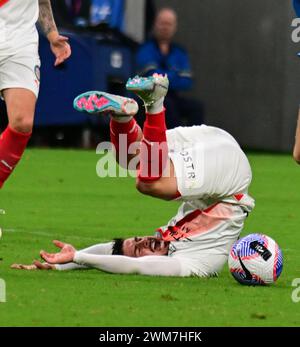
(149, 265)
(59, 45)
(100, 248)
(46, 19)
(296, 152)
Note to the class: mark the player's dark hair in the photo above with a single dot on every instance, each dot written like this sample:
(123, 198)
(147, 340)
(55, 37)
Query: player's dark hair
(118, 247)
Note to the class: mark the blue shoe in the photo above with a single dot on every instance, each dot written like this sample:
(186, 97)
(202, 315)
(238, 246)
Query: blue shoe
(95, 102)
(149, 89)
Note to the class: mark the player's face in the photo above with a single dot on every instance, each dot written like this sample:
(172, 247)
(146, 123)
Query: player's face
(142, 246)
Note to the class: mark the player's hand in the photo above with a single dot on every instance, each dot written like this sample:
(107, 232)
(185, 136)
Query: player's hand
(36, 265)
(66, 255)
(60, 47)
(23, 267)
(43, 266)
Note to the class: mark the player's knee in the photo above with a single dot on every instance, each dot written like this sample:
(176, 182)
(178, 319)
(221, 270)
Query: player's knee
(147, 188)
(296, 156)
(142, 187)
(22, 124)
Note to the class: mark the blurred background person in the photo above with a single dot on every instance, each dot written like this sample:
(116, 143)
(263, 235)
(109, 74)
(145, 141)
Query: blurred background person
(162, 55)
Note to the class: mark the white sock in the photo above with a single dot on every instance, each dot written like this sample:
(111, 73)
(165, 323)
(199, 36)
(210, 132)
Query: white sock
(156, 107)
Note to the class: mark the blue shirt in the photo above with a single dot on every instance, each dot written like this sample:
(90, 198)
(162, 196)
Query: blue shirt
(175, 64)
(297, 7)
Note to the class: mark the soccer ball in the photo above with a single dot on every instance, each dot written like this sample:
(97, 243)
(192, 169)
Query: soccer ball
(255, 259)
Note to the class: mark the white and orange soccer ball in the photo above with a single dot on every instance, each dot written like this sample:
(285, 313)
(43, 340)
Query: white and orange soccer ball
(255, 259)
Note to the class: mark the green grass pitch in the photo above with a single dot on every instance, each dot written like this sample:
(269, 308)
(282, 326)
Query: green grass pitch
(56, 194)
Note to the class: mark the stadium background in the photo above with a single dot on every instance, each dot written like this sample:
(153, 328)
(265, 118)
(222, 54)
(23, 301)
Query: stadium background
(244, 63)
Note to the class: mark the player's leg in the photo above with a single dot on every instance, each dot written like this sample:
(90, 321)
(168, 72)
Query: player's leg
(19, 85)
(125, 133)
(296, 152)
(156, 175)
(20, 105)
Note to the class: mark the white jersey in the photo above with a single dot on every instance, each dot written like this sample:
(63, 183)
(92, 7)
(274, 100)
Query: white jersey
(201, 239)
(213, 175)
(17, 25)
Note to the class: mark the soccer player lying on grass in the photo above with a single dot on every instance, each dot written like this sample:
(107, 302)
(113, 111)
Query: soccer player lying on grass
(203, 166)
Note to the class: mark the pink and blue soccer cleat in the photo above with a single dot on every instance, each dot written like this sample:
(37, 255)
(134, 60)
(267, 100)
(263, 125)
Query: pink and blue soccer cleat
(95, 102)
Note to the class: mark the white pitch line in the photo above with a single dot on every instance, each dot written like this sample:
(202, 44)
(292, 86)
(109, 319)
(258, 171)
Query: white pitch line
(42, 233)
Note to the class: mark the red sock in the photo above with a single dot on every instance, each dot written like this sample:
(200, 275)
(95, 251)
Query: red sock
(122, 135)
(154, 151)
(12, 146)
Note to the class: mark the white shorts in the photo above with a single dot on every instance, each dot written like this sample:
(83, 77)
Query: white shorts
(208, 163)
(21, 70)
